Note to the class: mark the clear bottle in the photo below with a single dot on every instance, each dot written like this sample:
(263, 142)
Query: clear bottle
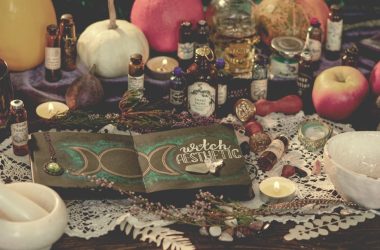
(350, 56)
(233, 34)
(52, 54)
(177, 90)
(305, 81)
(202, 90)
(334, 33)
(185, 50)
(273, 153)
(202, 35)
(259, 84)
(68, 42)
(222, 79)
(136, 73)
(314, 42)
(19, 128)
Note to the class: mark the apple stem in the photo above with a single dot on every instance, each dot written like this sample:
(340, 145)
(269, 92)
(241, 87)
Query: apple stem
(112, 14)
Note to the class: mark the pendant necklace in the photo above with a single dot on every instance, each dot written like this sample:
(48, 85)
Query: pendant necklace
(52, 167)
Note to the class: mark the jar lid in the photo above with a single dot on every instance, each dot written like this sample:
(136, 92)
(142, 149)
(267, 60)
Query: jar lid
(17, 104)
(287, 45)
(313, 134)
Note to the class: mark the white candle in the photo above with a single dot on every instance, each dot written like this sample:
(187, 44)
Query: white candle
(47, 110)
(161, 67)
(277, 188)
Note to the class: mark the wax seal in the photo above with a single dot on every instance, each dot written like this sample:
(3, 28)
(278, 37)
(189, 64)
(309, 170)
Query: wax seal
(244, 109)
(53, 168)
(258, 142)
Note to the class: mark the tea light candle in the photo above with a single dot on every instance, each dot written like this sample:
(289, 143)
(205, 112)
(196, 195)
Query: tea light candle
(47, 110)
(161, 67)
(277, 189)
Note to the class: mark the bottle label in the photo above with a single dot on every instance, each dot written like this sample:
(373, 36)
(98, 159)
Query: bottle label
(135, 82)
(176, 97)
(185, 51)
(283, 70)
(334, 35)
(315, 48)
(259, 89)
(52, 58)
(201, 98)
(222, 94)
(303, 83)
(277, 147)
(19, 133)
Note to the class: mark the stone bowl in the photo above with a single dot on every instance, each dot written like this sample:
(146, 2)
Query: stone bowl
(39, 233)
(352, 163)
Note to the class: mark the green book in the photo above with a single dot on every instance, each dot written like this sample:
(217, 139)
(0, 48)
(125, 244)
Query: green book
(183, 159)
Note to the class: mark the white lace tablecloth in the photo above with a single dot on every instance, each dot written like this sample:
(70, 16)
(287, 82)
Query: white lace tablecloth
(93, 218)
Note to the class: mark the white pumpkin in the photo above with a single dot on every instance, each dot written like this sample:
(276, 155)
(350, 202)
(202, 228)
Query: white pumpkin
(110, 43)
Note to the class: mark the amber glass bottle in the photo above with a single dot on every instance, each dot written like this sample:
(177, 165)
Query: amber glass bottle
(52, 54)
(68, 42)
(314, 41)
(273, 153)
(136, 72)
(19, 128)
(334, 33)
(202, 90)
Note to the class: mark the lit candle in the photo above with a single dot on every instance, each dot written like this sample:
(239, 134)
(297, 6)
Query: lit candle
(47, 110)
(275, 189)
(161, 67)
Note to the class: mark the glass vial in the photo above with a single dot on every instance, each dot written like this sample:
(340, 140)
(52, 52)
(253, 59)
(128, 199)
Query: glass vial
(222, 80)
(52, 54)
(305, 80)
(185, 50)
(350, 56)
(273, 153)
(202, 35)
(314, 41)
(68, 42)
(259, 84)
(202, 90)
(334, 33)
(136, 73)
(177, 90)
(19, 128)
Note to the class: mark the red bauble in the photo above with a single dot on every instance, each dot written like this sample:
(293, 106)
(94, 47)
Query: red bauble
(160, 20)
(252, 127)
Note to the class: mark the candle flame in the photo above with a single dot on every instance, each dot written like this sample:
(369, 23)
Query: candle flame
(50, 108)
(164, 62)
(276, 186)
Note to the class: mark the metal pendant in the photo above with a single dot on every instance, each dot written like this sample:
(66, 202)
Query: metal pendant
(53, 168)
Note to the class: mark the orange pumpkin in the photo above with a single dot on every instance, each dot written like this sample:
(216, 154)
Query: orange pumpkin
(288, 17)
(23, 28)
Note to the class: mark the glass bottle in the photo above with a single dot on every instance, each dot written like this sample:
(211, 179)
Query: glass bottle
(314, 41)
(202, 90)
(222, 79)
(233, 34)
(68, 42)
(305, 80)
(259, 84)
(273, 153)
(202, 35)
(177, 89)
(19, 128)
(334, 33)
(136, 73)
(52, 54)
(350, 56)
(185, 50)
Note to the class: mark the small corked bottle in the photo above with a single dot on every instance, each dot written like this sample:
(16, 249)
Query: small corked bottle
(273, 153)
(19, 128)
(68, 42)
(136, 73)
(52, 54)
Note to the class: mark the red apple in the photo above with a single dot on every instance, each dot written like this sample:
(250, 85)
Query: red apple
(338, 92)
(374, 79)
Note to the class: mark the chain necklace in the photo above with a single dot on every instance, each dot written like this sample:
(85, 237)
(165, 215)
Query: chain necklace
(52, 167)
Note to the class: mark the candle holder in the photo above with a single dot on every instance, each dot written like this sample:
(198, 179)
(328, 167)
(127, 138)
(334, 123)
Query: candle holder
(161, 67)
(48, 110)
(277, 189)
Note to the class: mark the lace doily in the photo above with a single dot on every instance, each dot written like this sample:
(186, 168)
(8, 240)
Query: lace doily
(93, 218)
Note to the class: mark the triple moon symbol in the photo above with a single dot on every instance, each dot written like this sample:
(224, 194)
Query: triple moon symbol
(125, 162)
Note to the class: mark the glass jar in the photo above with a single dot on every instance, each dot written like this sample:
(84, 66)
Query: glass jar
(284, 61)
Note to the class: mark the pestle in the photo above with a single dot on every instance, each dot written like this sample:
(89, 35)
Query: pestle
(16, 207)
